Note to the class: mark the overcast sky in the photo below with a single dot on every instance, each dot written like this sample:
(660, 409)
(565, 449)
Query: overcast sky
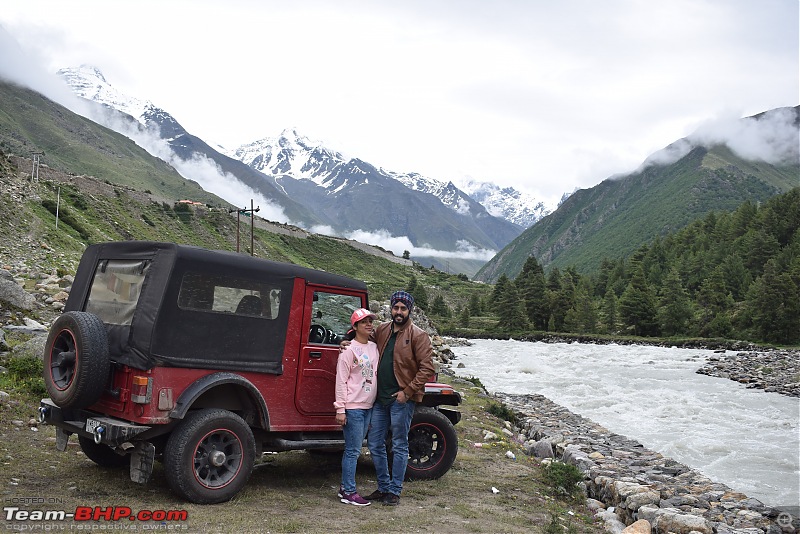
(543, 95)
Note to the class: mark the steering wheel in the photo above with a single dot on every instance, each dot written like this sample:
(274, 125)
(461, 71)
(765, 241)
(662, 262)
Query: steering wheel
(331, 338)
(317, 334)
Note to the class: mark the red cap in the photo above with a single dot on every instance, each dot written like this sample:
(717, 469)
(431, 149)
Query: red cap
(359, 314)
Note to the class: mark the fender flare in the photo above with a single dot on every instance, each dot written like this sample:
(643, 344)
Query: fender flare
(194, 391)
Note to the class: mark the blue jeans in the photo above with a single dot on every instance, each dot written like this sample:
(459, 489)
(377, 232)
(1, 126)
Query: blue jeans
(354, 432)
(397, 418)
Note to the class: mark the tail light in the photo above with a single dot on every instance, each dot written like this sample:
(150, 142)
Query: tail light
(142, 390)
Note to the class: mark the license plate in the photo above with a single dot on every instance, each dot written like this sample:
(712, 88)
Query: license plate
(91, 424)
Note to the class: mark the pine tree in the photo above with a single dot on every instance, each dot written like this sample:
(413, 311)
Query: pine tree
(511, 310)
(637, 305)
(675, 307)
(440, 307)
(532, 287)
(713, 302)
(420, 297)
(475, 307)
(465, 317)
(582, 316)
(610, 315)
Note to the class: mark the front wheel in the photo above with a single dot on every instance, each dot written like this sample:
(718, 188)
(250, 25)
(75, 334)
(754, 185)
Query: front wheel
(209, 456)
(432, 445)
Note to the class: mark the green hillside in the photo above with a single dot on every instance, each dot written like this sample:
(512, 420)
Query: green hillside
(91, 211)
(29, 122)
(614, 218)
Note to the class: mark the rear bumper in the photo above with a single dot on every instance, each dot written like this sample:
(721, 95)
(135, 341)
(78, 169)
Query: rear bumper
(102, 429)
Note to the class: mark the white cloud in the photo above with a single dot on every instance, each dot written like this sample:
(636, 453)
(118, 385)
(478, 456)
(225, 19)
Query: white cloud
(773, 137)
(399, 244)
(543, 96)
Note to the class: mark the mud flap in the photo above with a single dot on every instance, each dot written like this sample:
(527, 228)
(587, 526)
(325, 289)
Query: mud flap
(62, 438)
(142, 462)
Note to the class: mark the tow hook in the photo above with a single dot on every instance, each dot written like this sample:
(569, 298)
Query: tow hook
(43, 413)
(98, 434)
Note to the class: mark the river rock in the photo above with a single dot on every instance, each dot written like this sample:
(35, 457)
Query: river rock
(641, 526)
(635, 482)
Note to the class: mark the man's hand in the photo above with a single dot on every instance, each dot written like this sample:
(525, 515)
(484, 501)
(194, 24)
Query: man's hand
(400, 396)
(343, 344)
(341, 419)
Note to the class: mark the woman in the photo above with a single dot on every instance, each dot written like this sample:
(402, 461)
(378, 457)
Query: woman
(356, 389)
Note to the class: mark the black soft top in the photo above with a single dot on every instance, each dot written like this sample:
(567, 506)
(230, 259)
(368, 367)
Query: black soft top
(164, 333)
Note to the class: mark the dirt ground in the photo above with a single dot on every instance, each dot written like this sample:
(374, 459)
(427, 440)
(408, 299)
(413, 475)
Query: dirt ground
(287, 492)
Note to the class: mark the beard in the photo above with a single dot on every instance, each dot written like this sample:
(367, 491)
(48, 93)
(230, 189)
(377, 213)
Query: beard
(400, 319)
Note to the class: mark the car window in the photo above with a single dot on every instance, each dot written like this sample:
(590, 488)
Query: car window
(204, 292)
(115, 290)
(330, 317)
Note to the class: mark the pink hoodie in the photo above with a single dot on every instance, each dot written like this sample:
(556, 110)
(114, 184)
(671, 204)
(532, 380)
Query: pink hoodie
(356, 383)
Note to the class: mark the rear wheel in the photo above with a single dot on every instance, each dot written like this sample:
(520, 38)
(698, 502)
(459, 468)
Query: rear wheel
(102, 455)
(432, 445)
(209, 456)
(76, 362)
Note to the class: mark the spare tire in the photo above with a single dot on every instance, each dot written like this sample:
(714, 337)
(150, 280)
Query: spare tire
(76, 362)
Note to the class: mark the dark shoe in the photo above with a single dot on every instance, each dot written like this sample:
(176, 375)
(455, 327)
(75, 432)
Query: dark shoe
(376, 495)
(391, 499)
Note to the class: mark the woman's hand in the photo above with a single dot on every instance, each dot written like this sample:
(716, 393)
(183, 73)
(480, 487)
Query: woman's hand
(341, 419)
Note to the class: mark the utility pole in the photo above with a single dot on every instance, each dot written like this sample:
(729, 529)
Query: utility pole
(35, 169)
(239, 213)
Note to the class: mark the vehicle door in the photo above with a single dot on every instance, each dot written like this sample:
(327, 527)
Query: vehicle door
(326, 321)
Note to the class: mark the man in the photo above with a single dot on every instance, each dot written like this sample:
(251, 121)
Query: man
(405, 366)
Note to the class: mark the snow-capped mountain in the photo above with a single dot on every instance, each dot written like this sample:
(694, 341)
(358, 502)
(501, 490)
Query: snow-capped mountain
(88, 82)
(295, 155)
(308, 169)
(317, 187)
(508, 203)
(292, 154)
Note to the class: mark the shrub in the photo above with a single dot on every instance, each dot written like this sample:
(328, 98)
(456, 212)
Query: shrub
(503, 412)
(25, 373)
(563, 478)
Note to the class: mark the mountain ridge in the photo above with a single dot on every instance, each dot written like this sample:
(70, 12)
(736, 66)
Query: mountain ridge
(620, 214)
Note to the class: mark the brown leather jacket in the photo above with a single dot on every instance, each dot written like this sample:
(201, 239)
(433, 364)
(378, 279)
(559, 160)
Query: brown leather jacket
(413, 356)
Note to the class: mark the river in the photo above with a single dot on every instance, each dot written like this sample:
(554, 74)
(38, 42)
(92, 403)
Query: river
(745, 438)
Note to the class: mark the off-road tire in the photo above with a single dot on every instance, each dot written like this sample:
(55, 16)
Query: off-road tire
(102, 455)
(76, 363)
(432, 445)
(209, 456)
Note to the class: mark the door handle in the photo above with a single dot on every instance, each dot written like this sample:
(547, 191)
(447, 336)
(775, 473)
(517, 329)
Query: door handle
(315, 355)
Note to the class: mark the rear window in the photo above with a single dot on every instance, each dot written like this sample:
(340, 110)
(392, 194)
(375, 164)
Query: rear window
(115, 290)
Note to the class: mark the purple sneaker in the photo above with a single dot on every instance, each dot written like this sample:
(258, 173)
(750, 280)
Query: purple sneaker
(355, 499)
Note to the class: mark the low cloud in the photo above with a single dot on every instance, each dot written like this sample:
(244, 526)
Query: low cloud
(198, 168)
(22, 69)
(400, 244)
(773, 137)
